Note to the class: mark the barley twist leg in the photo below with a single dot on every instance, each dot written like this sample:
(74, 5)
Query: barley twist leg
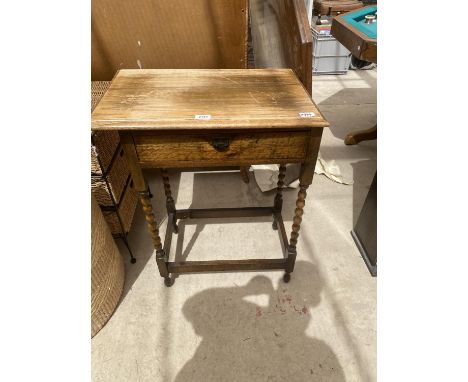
(170, 204)
(154, 232)
(298, 212)
(278, 205)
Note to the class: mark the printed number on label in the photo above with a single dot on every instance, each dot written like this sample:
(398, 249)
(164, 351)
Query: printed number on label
(203, 116)
(307, 115)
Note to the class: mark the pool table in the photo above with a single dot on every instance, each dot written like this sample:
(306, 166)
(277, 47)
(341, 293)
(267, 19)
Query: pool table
(359, 37)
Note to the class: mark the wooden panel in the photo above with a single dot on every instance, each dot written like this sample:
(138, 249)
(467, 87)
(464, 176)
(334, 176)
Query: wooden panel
(281, 37)
(167, 34)
(165, 150)
(234, 98)
(205, 213)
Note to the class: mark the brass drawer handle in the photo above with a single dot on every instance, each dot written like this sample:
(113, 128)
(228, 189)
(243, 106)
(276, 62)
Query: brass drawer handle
(220, 143)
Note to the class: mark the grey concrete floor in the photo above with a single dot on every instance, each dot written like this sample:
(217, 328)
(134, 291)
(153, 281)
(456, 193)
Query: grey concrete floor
(250, 326)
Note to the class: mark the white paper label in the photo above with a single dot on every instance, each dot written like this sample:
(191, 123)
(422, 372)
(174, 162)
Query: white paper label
(308, 114)
(203, 116)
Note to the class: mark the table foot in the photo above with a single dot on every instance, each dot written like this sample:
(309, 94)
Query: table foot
(287, 277)
(168, 281)
(274, 226)
(133, 260)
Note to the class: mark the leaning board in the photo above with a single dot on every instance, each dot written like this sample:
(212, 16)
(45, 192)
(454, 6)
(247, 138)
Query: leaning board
(281, 37)
(167, 34)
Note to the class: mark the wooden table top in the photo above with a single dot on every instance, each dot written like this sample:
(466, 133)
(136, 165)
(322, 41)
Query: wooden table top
(171, 99)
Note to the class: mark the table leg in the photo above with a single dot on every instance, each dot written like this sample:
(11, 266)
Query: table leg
(244, 173)
(305, 180)
(170, 204)
(150, 220)
(154, 232)
(362, 135)
(142, 187)
(298, 212)
(278, 205)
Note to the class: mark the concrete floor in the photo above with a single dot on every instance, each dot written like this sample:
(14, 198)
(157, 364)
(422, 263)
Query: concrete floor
(250, 326)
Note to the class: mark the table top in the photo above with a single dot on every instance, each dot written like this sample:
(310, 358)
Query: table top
(357, 20)
(171, 99)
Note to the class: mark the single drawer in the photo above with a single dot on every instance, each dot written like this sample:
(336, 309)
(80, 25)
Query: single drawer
(219, 149)
(117, 178)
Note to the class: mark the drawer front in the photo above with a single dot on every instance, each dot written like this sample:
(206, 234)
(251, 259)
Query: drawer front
(166, 150)
(125, 211)
(117, 178)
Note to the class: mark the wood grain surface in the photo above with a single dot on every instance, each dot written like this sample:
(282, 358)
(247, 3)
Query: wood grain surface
(167, 34)
(170, 99)
(166, 150)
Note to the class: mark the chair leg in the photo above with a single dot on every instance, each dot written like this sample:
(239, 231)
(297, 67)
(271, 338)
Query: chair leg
(362, 135)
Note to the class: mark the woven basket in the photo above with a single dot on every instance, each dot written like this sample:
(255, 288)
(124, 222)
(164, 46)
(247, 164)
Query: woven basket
(117, 178)
(125, 210)
(107, 271)
(110, 174)
(98, 89)
(105, 143)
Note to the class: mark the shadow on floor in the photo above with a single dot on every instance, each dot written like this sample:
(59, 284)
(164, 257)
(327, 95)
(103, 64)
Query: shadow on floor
(241, 339)
(351, 108)
(244, 340)
(358, 119)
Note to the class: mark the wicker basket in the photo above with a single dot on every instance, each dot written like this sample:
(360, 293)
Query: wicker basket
(105, 143)
(98, 89)
(117, 178)
(125, 210)
(107, 271)
(110, 175)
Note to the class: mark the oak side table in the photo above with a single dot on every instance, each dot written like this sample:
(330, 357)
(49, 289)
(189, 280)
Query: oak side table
(178, 118)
